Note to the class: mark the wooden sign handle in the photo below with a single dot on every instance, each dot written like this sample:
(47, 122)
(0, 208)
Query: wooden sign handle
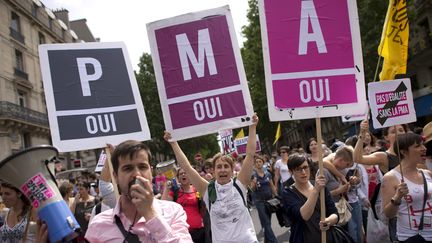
(321, 172)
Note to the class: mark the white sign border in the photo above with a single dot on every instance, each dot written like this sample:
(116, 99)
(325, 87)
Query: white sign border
(210, 127)
(320, 111)
(96, 142)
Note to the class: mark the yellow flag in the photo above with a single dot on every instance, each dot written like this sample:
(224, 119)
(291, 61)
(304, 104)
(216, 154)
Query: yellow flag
(240, 134)
(394, 40)
(278, 133)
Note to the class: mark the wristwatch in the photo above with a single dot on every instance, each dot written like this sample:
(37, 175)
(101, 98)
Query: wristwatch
(396, 202)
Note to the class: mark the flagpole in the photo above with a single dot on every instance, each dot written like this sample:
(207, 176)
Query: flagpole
(321, 173)
(381, 49)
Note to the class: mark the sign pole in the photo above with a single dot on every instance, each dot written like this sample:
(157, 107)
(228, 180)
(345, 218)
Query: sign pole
(321, 170)
(113, 181)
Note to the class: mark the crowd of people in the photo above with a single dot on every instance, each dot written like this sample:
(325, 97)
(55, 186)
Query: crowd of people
(375, 190)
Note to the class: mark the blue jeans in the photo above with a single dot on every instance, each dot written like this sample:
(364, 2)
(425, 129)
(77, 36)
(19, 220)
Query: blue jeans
(355, 225)
(265, 220)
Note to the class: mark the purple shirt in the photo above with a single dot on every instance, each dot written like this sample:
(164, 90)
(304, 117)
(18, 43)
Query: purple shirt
(168, 226)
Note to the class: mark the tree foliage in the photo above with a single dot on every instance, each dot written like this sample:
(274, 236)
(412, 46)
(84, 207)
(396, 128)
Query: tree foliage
(206, 145)
(254, 67)
(371, 17)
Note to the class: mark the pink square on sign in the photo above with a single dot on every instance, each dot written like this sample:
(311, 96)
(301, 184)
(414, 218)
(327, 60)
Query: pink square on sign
(283, 30)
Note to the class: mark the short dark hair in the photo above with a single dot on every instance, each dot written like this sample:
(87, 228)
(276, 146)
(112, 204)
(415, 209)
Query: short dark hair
(295, 160)
(405, 141)
(84, 184)
(128, 148)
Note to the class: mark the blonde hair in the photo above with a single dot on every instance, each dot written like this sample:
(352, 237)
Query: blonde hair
(226, 158)
(345, 152)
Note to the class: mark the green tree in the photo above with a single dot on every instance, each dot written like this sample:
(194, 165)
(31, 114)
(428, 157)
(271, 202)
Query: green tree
(254, 67)
(371, 17)
(146, 79)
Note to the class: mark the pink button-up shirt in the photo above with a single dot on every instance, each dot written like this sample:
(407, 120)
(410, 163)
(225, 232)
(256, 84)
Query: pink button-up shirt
(168, 226)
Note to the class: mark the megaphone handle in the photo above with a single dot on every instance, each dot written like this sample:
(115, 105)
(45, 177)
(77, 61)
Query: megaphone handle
(49, 171)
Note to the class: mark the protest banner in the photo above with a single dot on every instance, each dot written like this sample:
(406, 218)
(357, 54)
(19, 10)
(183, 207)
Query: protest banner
(226, 139)
(391, 103)
(356, 117)
(92, 96)
(101, 162)
(312, 58)
(199, 71)
(241, 144)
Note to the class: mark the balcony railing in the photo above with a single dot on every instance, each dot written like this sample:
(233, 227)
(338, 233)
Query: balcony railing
(16, 35)
(20, 73)
(13, 111)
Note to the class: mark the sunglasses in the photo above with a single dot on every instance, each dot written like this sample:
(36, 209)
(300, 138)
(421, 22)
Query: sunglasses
(283, 152)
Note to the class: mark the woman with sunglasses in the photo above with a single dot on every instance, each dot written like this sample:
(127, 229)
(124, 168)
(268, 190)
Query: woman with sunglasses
(404, 197)
(301, 203)
(225, 199)
(282, 173)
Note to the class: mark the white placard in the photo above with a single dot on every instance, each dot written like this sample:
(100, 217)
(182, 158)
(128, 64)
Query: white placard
(312, 58)
(92, 96)
(391, 103)
(199, 72)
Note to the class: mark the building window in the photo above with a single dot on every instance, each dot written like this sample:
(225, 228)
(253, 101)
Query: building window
(41, 38)
(21, 98)
(19, 62)
(50, 23)
(25, 140)
(34, 9)
(15, 28)
(15, 22)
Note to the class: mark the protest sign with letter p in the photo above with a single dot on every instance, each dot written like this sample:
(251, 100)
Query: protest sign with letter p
(92, 96)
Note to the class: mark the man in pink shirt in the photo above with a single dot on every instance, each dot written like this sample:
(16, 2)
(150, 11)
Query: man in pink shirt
(138, 216)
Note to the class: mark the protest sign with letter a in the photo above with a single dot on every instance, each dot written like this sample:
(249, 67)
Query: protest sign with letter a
(312, 58)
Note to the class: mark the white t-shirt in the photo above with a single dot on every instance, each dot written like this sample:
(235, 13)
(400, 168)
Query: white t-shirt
(407, 226)
(284, 172)
(230, 219)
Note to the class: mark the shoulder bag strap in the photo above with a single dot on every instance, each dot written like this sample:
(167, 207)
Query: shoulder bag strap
(424, 200)
(240, 191)
(129, 236)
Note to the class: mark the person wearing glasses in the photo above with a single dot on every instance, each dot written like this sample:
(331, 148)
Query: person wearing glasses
(301, 203)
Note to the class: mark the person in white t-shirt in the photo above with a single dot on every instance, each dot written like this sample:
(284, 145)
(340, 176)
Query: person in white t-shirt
(404, 197)
(230, 218)
(282, 173)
